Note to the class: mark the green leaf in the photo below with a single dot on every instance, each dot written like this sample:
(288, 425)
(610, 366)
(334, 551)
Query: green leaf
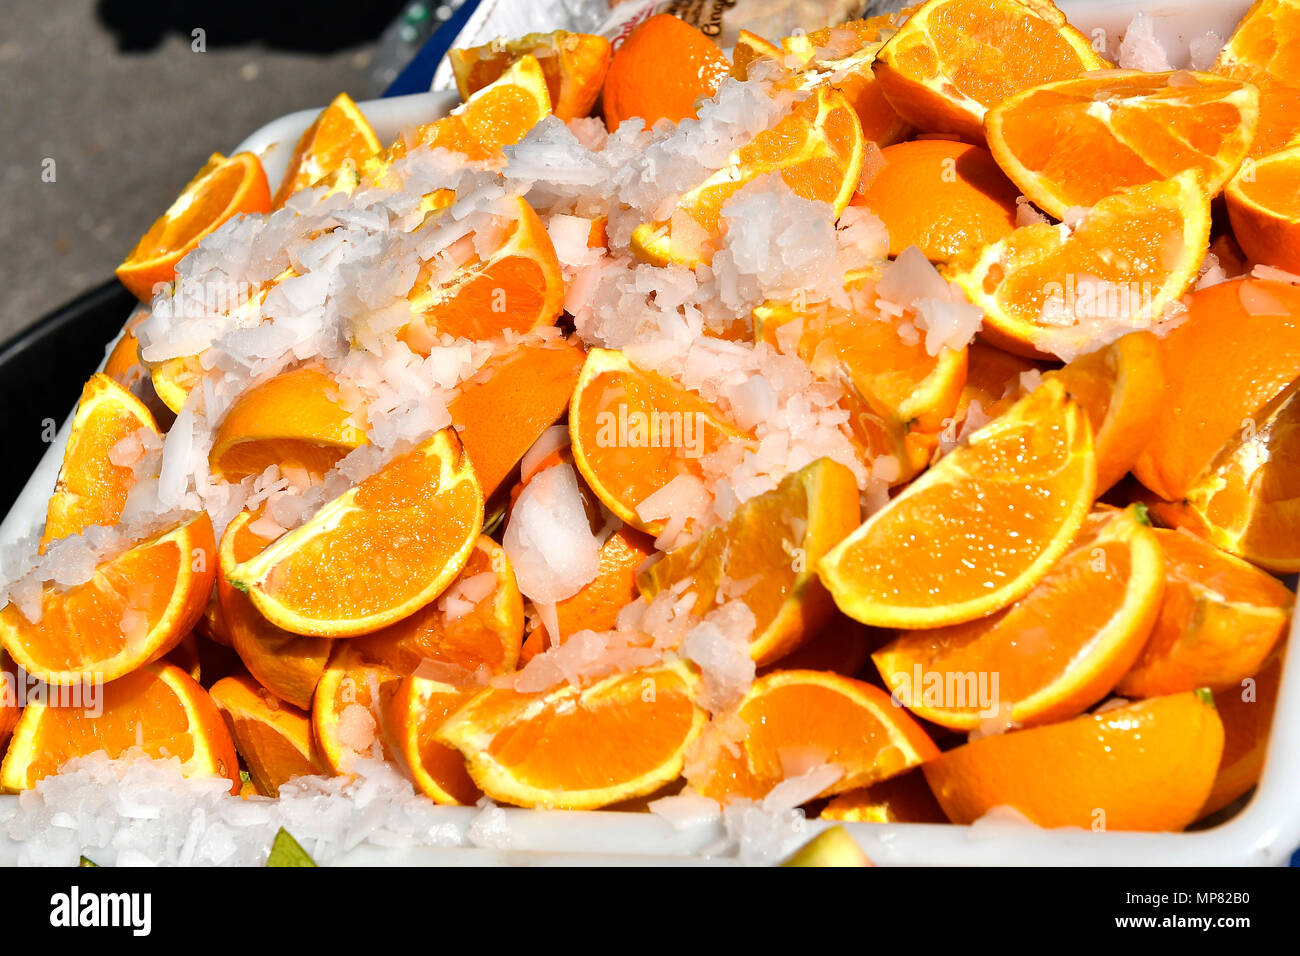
(86, 861)
(286, 851)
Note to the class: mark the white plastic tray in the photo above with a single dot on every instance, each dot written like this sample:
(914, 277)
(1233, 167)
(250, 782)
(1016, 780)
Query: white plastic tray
(1265, 832)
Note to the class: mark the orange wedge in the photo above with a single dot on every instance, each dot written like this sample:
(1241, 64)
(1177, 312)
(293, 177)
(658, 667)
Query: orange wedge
(954, 59)
(940, 196)
(580, 748)
(1120, 387)
(288, 665)
(413, 711)
(814, 718)
(1237, 351)
(750, 47)
(123, 363)
(347, 712)
(377, 553)
(1147, 766)
(1074, 142)
(91, 490)
(902, 799)
(817, 149)
(1265, 210)
(993, 380)
(157, 708)
(516, 288)
(1220, 619)
(224, 188)
(340, 134)
(766, 555)
(1054, 289)
(1247, 714)
(1057, 651)
(503, 409)
(1261, 51)
(10, 709)
(666, 430)
(134, 609)
(659, 71)
(979, 529)
(294, 420)
(574, 65)
(273, 737)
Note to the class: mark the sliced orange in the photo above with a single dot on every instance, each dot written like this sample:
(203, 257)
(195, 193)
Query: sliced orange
(516, 288)
(1057, 651)
(134, 609)
(413, 711)
(1054, 289)
(123, 363)
(1074, 142)
(1237, 351)
(157, 708)
(347, 711)
(580, 748)
(1262, 51)
(902, 799)
(940, 196)
(294, 420)
(979, 529)
(1147, 766)
(818, 151)
(1220, 619)
(273, 737)
(659, 71)
(1264, 208)
(750, 47)
(288, 665)
(340, 134)
(503, 409)
(377, 553)
(954, 59)
(1120, 387)
(91, 490)
(574, 65)
(10, 708)
(224, 188)
(478, 623)
(766, 555)
(1246, 710)
(993, 378)
(810, 718)
(654, 447)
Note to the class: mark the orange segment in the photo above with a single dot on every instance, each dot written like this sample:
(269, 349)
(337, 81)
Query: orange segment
(993, 380)
(123, 363)
(377, 553)
(817, 149)
(574, 65)
(413, 712)
(1262, 51)
(1055, 289)
(902, 799)
(1265, 210)
(1220, 619)
(347, 712)
(91, 490)
(134, 609)
(1246, 710)
(655, 446)
(1237, 351)
(766, 555)
(954, 59)
(750, 47)
(294, 420)
(1146, 766)
(224, 188)
(157, 708)
(1074, 142)
(516, 288)
(288, 665)
(1055, 652)
(659, 72)
(340, 134)
(1120, 387)
(580, 748)
(979, 529)
(940, 196)
(10, 709)
(273, 737)
(810, 718)
(503, 409)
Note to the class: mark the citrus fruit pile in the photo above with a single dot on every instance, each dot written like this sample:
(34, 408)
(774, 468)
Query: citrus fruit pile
(878, 415)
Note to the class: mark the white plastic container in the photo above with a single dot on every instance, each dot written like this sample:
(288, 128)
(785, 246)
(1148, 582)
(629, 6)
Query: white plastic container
(1265, 832)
